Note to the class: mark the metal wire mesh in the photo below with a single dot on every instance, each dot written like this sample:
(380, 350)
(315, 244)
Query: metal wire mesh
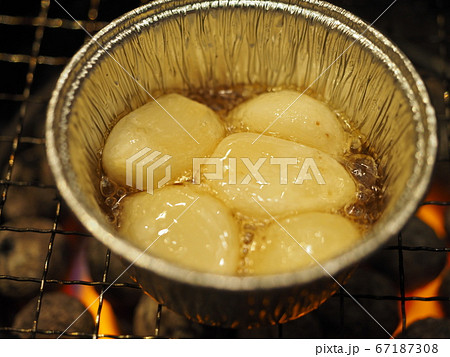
(37, 40)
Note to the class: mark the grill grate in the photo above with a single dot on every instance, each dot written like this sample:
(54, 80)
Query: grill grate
(37, 40)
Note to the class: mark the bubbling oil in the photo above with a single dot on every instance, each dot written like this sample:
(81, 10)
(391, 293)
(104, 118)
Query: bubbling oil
(358, 160)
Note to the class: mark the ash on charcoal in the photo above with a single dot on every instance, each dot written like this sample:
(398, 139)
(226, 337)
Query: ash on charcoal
(172, 325)
(58, 311)
(29, 201)
(444, 291)
(30, 167)
(427, 328)
(420, 267)
(23, 254)
(307, 326)
(341, 317)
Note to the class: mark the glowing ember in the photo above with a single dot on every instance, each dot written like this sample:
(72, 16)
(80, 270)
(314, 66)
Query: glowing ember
(433, 215)
(89, 296)
(418, 310)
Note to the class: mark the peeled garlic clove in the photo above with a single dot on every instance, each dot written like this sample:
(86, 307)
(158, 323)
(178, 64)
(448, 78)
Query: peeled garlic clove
(290, 115)
(312, 181)
(153, 128)
(189, 228)
(319, 235)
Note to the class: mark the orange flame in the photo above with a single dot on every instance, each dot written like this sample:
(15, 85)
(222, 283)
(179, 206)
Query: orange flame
(107, 324)
(418, 310)
(90, 298)
(432, 215)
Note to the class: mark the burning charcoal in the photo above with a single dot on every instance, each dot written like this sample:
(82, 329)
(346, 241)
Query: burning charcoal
(447, 222)
(428, 328)
(350, 320)
(22, 254)
(420, 267)
(26, 201)
(30, 166)
(58, 311)
(307, 326)
(444, 291)
(172, 325)
(122, 299)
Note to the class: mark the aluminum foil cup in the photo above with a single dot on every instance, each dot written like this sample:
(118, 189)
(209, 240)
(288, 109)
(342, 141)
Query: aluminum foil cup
(187, 45)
